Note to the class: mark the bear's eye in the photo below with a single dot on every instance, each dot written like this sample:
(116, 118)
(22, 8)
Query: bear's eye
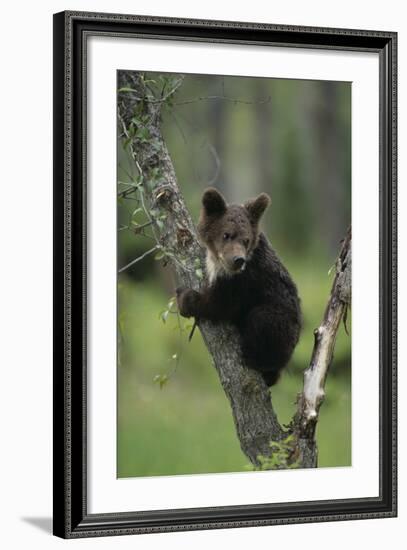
(226, 236)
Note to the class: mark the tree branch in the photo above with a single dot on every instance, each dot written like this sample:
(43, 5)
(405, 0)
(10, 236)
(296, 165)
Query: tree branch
(224, 98)
(313, 394)
(254, 417)
(139, 258)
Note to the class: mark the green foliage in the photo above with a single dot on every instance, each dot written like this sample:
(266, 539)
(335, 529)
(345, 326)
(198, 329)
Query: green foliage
(163, 315)
(282, 455)
(161, 379)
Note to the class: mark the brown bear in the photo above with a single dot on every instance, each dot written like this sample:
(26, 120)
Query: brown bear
(247, 285)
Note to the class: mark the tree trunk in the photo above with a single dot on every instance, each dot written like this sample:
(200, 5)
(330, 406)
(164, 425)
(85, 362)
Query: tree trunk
(255, 420)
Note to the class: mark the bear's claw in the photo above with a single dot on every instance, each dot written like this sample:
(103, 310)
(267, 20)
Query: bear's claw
(188, 301)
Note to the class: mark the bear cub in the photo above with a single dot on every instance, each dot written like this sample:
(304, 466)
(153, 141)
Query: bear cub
(247, 285)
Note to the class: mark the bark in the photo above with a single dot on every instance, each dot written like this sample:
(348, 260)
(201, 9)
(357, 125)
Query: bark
(251, 403)
(313, 393)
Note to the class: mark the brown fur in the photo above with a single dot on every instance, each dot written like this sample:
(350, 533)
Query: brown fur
(247, 284)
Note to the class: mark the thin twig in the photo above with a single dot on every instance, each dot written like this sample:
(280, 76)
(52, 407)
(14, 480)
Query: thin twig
(137, 228)
(138, 259)
(225, 98)
(217, 164)
(181, 131)
(128, 191)
(153, 100)
(121, 167)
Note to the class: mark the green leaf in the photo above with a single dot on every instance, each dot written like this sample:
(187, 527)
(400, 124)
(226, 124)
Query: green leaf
(131, 130)
(159, 256)
(136, 211)
(199, 273)
(126, 89)
(154, 172)
(143, 134)
(161, 379)
(164, 315)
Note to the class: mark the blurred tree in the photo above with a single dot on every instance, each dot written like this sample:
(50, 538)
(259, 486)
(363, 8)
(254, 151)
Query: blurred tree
(262, 145)
(331, 165)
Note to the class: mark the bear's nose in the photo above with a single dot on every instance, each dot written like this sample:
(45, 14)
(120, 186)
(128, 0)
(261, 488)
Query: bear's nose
(238, 262)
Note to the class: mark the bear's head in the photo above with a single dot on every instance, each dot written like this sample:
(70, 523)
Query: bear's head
(229, 231)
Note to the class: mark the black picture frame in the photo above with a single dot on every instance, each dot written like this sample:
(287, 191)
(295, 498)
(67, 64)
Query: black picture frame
(71, 518)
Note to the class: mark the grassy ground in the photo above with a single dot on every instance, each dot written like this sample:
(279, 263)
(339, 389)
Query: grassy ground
(186, 427)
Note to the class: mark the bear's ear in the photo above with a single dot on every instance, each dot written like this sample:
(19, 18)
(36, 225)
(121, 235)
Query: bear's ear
(257, 206)
(213, 202)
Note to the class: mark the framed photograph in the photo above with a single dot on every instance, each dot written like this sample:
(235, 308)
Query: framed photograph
(224, 274)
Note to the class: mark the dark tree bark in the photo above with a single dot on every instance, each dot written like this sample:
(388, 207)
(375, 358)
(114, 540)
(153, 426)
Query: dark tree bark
(251, 403)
